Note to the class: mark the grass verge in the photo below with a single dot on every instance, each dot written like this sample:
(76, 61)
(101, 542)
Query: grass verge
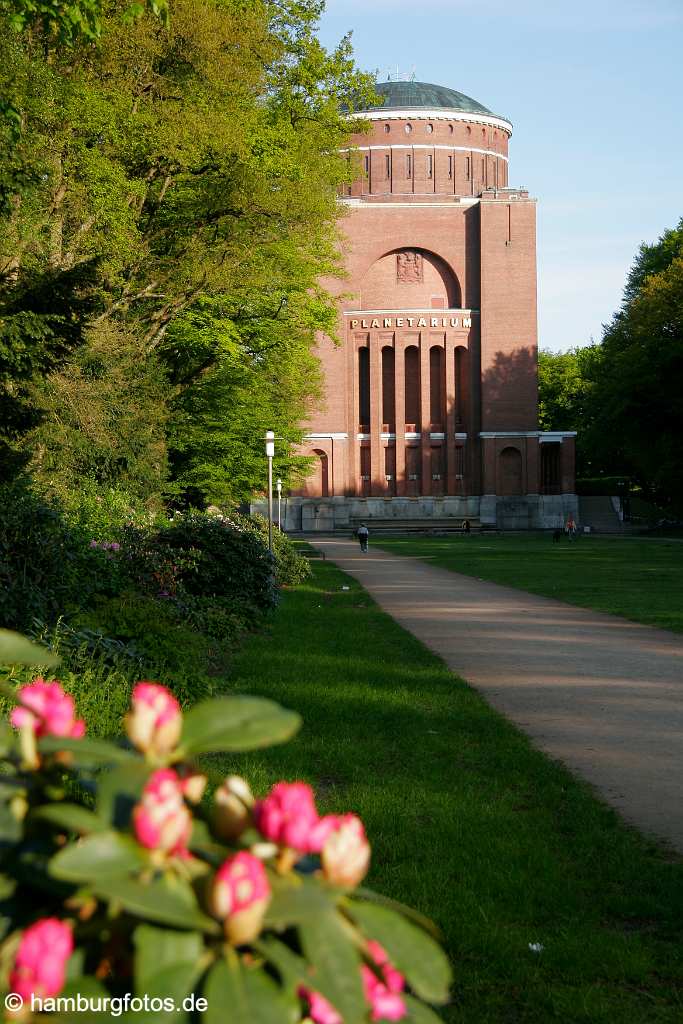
(640, 580)
(470, 824)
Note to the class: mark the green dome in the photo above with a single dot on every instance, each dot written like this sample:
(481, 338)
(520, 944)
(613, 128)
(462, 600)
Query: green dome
(422, 95)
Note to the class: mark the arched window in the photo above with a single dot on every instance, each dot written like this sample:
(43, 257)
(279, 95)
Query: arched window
(388, 386)
(412, 387)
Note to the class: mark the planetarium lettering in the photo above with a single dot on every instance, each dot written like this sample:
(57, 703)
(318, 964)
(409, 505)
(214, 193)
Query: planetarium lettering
(412, 321)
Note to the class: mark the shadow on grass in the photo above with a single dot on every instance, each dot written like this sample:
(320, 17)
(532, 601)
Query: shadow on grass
(469, 823)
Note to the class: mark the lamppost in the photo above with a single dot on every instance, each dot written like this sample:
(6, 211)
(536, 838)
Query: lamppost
(278, 488)
(270, 452)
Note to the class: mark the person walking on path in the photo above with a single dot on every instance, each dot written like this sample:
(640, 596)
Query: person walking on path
(571, 527)
(363, 534)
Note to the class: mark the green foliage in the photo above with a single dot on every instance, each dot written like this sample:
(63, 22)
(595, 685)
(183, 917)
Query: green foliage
(46, 566)
(76, 847)
(290, 566)
(68, 22)
(175, 178)
(639, 392)
(103, 415)
(230, 559)
(624, 395)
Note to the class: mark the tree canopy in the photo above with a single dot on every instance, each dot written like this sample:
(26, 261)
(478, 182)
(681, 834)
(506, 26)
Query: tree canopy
(625, 395)
(173, 179)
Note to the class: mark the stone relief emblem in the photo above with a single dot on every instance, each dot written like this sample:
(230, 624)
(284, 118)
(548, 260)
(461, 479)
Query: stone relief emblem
(409, 267)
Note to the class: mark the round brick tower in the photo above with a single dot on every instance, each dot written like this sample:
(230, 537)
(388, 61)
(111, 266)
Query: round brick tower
(431, 400)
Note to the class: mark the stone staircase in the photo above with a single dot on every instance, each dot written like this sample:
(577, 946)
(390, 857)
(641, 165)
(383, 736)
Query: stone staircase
(598, 513)
(452, 524)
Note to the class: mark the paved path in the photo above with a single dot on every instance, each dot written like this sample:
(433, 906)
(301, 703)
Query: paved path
(601, 694)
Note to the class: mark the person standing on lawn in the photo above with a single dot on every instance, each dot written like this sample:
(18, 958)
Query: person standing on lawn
(363, 534)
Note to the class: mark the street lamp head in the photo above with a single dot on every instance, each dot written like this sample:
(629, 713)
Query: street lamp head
(278, 485)
(270, 443)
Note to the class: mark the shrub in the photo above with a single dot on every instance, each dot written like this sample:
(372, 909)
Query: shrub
(46, 566)
(166, 647)
(290, 566)
(134, 892)
(229, 559)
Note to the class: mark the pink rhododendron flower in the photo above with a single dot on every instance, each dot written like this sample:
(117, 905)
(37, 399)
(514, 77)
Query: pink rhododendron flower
(240, 895)
(384, 1004)
(288, 816)
(40, 963)
(47, 710)
(155, 721)
(319, 1010)
(393, 979)
(345, 854)
(161, 820)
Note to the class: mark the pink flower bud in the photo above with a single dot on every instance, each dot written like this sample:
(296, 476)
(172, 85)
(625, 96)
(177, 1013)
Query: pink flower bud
(384, 996)
(47, 710)
(345, 854)
(40, 962)
(161, 820)
(192, 784)
(287, 816)
(232, 808)
(239, 896)
(319, 1010)
(155, 721)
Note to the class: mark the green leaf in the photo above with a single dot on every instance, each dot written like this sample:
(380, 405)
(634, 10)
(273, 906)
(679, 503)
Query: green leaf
(167, 966)
(236, 723)
(156, 949)
(16, 649)
(120, 789)
(88, 988)
(410, 948)
(104, 853)
(418, 1013)
(293, 970)
(165, 900)
(330, 950)
(72, 817)
(87, 751)
(414, 915)
(11, 829)
(296, 900)
(243, 995)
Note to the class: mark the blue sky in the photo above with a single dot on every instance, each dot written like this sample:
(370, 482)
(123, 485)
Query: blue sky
(594, 91)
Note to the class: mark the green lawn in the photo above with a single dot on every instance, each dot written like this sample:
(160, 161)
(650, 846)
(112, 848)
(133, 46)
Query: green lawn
(639, 579)
(468, 822)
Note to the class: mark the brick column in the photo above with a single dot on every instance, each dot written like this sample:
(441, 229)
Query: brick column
(377, 481)
(449, 427)
(568, 464)
(425, 414)
(353, 448)
(400, 415)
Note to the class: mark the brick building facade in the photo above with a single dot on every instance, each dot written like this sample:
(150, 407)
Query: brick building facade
(431, 399)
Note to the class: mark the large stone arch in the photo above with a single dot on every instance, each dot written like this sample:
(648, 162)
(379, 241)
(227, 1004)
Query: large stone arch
(410, 277)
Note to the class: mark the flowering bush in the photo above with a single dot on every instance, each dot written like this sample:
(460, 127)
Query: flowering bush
(119, 883)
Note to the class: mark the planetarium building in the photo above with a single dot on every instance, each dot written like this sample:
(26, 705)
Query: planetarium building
(430, 412)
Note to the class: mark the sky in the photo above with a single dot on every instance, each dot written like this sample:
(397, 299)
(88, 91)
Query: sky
(594, 91)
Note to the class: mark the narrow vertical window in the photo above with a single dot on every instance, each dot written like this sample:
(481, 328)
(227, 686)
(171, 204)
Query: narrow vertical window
(387, 165)
(430, 165)
(467, 168)
(367, 164)
(450, 167)
(409, 166)
(483, 168)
